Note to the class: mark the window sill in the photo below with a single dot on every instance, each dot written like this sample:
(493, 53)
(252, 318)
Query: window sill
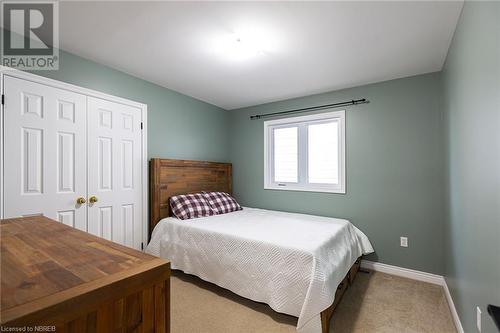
(303, 189)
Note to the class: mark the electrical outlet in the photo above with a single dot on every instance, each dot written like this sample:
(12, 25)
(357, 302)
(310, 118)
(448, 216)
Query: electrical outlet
(478, 318)
(403, 241)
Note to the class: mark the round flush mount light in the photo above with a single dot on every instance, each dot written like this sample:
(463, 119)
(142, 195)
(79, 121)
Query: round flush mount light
(243, 44)
(239, 47)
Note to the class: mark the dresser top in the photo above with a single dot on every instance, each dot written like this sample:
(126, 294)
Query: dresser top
(42, 258)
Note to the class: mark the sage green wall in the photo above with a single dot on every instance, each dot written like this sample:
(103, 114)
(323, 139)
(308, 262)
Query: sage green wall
(179, 126)
(471, 80)
(394, 168)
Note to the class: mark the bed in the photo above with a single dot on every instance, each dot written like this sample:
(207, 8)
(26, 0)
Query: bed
(298, 264)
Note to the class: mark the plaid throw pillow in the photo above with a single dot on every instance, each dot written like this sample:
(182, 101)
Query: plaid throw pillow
(190, 206)
(222, 202)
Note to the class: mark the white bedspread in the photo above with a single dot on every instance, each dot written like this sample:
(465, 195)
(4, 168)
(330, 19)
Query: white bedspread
(293, 262)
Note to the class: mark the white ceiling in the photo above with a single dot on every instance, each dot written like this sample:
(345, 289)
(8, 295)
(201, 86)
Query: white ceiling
(308, 47)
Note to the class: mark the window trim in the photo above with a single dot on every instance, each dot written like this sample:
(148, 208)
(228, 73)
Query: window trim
(269, 125)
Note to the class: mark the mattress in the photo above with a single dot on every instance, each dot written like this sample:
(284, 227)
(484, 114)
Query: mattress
(292, 262)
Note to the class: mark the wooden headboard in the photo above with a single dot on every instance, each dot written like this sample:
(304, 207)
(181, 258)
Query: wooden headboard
(173, 177)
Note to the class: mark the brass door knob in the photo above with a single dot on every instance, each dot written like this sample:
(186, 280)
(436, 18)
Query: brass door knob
(93, 199)
(81, 201)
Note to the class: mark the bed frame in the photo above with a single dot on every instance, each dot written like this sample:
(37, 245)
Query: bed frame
(173, 177)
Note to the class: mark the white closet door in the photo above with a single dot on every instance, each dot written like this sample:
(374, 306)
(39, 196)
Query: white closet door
(45, 168)
(114, 178)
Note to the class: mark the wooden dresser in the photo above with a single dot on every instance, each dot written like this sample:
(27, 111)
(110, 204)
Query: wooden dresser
(69, 281)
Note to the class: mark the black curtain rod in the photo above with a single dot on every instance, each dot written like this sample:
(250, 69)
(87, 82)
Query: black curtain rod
(312, 108)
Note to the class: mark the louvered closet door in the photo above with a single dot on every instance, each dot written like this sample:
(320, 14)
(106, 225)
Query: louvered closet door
(45, 152)
(114, 177)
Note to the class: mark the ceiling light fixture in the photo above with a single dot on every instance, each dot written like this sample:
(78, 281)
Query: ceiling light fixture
(242, 45)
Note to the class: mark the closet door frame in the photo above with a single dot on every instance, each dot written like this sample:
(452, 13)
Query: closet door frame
(7, 71)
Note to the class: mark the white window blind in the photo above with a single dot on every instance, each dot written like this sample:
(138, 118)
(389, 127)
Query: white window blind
(323, 153)
(286, 154)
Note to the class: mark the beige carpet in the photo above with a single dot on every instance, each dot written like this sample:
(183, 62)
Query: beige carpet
(375, 303)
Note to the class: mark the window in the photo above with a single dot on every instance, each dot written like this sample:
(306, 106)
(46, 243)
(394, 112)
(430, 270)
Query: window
(306, 153)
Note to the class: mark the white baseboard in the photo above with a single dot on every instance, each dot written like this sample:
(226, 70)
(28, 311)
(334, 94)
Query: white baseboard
(419, 276)
(454, 313)
(403, 272)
